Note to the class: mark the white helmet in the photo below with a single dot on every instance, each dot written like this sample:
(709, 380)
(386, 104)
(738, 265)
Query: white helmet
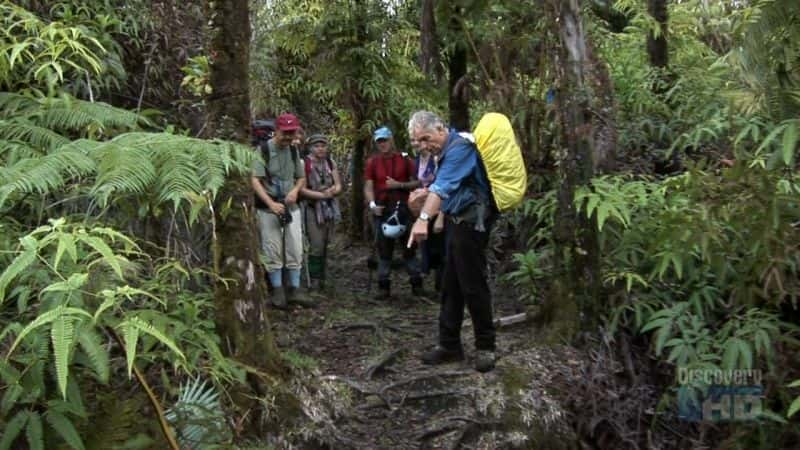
(393, 226)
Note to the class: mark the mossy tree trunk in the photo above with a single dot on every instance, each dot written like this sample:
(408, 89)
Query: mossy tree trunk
(429, 42)
(573, 303)
(657, 45)
(458, 101)
(240, 300)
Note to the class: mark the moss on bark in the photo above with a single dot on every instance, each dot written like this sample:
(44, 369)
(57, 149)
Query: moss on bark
(240, 290)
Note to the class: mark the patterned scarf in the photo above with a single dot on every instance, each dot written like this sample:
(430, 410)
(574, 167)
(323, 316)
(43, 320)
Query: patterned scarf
(319, 179)
(427, 173)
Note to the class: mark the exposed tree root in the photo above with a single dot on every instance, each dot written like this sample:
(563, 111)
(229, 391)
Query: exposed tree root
(383, 361)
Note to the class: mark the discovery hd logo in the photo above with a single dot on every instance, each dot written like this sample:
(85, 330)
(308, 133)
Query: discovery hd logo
(715, 395)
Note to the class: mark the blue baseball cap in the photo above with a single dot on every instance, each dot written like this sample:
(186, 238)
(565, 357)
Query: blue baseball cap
(382, 133)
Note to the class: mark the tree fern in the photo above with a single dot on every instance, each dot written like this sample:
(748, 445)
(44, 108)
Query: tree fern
(212, 167)
(12, 104)
(13, 151)
(121, 170)
(68, 114)
(177, 174)
(30, 132)
(160, 167)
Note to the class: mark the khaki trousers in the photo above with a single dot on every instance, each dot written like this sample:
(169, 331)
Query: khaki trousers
(272, 240)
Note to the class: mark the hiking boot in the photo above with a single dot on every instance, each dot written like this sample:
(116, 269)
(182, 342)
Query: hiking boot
(278, 298)
(298, 297)
(441, 355)
(484, 360)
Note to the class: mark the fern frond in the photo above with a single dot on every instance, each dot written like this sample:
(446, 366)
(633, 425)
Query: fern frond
(34, 431)
(176, 174)
(71, 114)
(13, 151)
(12, 429)
(20, 263)
(148, 328)
(92, 346)
(130, 333)
(107, 255)
(184, 165)
(12, 104)
(10, 397)
(46, 318)
(211, 162)
(43, 175)
(64, 428)
(63, 336)
(28, 132)
(121, 169)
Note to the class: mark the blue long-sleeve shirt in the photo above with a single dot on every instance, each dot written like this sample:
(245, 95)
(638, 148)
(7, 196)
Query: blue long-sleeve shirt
(461, 180)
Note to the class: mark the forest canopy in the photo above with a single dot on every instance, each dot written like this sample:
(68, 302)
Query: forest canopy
(656, 247)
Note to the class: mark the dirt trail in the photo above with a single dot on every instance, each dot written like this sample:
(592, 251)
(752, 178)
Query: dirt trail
(370, 350)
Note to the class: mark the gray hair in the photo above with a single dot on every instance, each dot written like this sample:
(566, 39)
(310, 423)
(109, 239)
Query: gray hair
(425, 120)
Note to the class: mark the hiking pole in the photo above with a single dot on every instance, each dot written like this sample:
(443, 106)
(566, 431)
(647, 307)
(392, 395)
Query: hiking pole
(282, 221)
(306, 244)
(371, 263)
(325, 239)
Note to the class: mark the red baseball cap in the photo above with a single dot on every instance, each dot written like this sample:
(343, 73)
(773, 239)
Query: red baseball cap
(287, 122)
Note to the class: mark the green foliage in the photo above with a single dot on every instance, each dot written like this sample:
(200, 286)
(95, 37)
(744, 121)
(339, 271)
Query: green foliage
(80, 279)
(36, 53)
(198, 417)
(196, 76)
(155, 168)
(81, 304)
(321, 57)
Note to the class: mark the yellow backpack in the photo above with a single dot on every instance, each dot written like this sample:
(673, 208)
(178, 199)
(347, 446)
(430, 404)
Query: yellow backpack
(502, 158)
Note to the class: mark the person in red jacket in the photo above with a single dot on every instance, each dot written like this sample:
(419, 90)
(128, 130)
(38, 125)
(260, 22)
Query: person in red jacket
(388, 178)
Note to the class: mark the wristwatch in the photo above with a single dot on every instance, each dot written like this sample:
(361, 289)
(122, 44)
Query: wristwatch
(372, 205)
(423, 216)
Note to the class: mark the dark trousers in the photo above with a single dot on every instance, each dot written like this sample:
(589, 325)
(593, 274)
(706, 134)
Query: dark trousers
(385, 248)
(465, 283)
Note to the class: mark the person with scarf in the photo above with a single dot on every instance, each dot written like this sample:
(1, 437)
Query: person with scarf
(432, 249)
(322, 211)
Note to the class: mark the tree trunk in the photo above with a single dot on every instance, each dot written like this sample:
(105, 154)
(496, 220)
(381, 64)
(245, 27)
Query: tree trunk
(357, 194)
(573, 304)
(657, 49)
(241, 318)
(457, 102)
(358, 107)
(604, 130)
(429, 48)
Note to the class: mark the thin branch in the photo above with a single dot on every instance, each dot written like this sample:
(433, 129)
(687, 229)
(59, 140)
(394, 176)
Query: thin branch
(162, 419)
